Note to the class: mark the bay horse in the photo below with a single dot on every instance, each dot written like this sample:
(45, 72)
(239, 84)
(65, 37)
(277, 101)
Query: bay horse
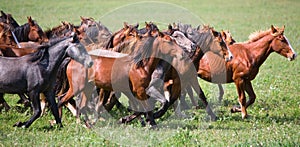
(35, 73)
(248, 57)
(129, 74)
(227, 37)
(30, 31)
(207, 39)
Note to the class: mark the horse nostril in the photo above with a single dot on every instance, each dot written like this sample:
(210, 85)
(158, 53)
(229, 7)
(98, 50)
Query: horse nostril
(294, 55)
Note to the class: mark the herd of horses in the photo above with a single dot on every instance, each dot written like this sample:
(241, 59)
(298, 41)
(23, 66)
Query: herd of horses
(148, 65)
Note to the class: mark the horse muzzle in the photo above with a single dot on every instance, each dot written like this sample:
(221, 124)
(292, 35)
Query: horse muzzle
(292, 57)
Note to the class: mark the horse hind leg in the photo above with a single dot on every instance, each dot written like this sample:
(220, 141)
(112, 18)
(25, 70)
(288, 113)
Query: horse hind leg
(221, 92)
(201, 95)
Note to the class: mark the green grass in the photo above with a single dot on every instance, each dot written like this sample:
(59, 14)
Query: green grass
(274, 121)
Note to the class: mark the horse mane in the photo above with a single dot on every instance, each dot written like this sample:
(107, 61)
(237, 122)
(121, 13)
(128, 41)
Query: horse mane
(110, 42)
(121, 46)
(60, 29)
(43, 49)
(258, 35)
(21, 31)
(143, 51)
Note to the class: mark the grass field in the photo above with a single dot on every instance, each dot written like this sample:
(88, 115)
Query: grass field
(275, 115)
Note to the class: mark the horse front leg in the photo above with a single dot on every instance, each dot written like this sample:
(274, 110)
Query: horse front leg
(50, 96)
(34, 96)
(240, 86)
(174, 91)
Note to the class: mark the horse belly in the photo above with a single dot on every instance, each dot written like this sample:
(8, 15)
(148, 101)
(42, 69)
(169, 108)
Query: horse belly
(12, 83)
(110, 73)
(212, 68)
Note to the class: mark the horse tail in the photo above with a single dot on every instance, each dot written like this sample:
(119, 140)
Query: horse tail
(62, 83)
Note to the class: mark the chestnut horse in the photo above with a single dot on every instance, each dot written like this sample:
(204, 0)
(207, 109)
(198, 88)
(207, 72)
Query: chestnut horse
(129, 74)
(248, 57)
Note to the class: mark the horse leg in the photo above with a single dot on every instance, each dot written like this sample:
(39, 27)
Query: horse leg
(3, 102)
(250, 91)
(174, 91)
(43, 103)
(62, 99)
(50, 95)
(71, 105)
(201, 95)
(221, 92)
(150, 120)
(183, 104)
(34, 96)
(240, 86)
(24, 100)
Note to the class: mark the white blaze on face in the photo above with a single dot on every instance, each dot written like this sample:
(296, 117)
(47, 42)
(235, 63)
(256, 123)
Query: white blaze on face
(294, 53)
(229, 52)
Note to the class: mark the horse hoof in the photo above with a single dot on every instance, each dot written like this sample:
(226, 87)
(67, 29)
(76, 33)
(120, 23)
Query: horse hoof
(154, 127)
(235, 109)
(214, 118)
(122, 121)
(19, 124)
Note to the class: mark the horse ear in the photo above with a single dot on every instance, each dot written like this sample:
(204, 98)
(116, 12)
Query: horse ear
(125, 24)
(273, 29)
(170, 27)
(215, 33)
(160, 34)
(3, 14)
(174, 25)
(223, 34)
(82, 18)
(30, 21)
(136, 25)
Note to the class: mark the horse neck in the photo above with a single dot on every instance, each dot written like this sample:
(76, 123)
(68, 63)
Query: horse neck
(56, 53)
(204, 40)
(197, 57)
(260, 49)
(22, 32)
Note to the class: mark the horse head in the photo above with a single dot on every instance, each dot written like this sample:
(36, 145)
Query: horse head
(78, 52)
(227, 37)
(36, 33)
(8, 19)
(281, 44)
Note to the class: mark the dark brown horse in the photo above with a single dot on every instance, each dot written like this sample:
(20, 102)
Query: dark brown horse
(248, 57)
(129, 74)
(8, 19)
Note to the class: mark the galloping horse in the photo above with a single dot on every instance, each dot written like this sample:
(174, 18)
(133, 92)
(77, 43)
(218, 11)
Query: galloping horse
(248, 57)
(37, 73)
(208, 40)
(130, 74)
